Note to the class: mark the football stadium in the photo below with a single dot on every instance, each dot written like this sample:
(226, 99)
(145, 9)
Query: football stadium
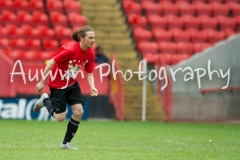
(120, 79)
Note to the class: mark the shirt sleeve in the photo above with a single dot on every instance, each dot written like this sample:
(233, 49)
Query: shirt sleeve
(89, 66)
(62, 55)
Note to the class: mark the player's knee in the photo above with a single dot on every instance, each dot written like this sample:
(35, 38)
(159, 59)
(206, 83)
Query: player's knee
(79, 112)
(60, 118)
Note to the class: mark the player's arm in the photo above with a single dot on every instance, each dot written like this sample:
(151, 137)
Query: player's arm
(40, 85)
(90, 79)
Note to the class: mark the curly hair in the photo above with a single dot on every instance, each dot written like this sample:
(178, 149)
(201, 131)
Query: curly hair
(80, 33)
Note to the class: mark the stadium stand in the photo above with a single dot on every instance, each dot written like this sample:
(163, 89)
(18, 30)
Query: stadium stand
(175, 30)
(207, 22)
(30, 19)
(31, 30)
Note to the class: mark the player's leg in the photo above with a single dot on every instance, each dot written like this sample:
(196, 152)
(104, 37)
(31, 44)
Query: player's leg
(56, 104)
(73, 122)
(58, 113)
(72, 126)
(75, 100)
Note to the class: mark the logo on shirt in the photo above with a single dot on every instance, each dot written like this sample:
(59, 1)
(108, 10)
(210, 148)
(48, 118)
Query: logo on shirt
(73, 69)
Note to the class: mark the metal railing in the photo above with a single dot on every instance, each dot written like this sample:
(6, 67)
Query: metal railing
(230, 89)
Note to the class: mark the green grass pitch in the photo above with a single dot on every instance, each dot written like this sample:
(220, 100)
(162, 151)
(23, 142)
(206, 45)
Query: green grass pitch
(97, 140)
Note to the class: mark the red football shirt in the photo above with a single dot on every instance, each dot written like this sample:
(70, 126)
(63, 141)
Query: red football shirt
(69, 59)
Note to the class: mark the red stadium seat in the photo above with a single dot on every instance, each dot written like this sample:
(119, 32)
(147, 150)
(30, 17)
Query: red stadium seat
(150, 57)
(203, 9)
(3, 32)
(157, 21)
(40, 18)
(8, 5)
(162, 35)
(170, 9)
(17, 54)
(58, 19)
(36, 5)
(151, 7)
(208, 22)
(181, 36)
(54, 6)
(137, 20)
(197, 36)
(166, 57)
(46, 55)
(174, 22)
(164, 1)
(231, 5)
(45, 32)
(32, 55)
(13, 31)
(8, 17)
(191, 22)
(214, 36)
(33, 44)
(182, 1)
(226, 22)
(17, 44)
(185, 48)
(228, 32)
(197, 1)
(63, 32)
(141, 35)
(63, 41)
(24, 17)
(235, 1)
(179, 57)
(131, 7)
(147, 0)
(187, 9)
(50, 45)
(199, 47)
(72, 6)
(175, 30)
(147, 47)
(76, 19)
(236, 10)
(216, 1)
(20, 5)
(237, 19)
(167, 47)
(220, 9)
(29, 32)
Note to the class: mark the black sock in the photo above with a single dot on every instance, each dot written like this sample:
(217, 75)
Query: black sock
(71, 130)
(48, 104)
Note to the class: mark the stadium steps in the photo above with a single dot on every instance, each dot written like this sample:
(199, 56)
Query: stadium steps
(112, 33)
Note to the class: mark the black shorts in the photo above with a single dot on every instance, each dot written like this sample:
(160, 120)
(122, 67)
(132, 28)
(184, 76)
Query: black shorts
(70, 95)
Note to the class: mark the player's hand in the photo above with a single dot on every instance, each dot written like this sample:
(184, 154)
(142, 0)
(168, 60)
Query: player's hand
(39, 86)
(94, 92)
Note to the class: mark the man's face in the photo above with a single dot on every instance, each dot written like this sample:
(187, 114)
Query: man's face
(89, 39)
(100, 51)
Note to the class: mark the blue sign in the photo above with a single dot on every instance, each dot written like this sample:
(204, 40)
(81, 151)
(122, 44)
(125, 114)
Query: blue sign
(22, 108)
